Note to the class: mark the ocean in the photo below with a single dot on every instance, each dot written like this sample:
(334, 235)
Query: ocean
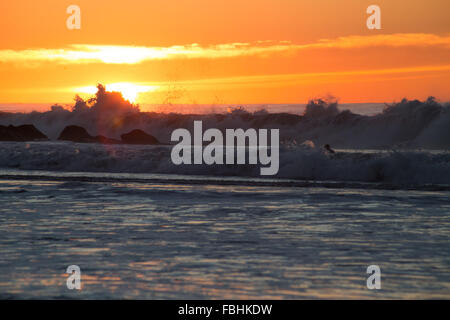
(172, 236)
(140, 227)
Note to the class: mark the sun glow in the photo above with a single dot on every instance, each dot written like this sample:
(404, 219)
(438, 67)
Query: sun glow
(129, 91)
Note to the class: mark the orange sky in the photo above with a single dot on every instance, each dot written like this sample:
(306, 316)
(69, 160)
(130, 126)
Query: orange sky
(246, 51)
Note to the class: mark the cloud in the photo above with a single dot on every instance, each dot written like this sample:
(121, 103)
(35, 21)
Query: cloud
(277, 79)
(111, 54)
(281, 79)
(385, 40)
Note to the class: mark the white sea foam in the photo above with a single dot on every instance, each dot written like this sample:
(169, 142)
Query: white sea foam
(410, 124)
(296, 162)
(399, 133)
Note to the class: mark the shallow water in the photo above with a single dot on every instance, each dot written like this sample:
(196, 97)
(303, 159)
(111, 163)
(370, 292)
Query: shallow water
(164, 240)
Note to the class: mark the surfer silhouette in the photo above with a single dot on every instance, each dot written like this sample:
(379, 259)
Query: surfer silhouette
(328, 148)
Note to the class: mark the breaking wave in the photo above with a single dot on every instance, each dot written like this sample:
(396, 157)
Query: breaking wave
(399, 137)
(407, 124)
(296, 162)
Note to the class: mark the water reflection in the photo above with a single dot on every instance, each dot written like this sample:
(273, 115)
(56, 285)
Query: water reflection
(143, 240)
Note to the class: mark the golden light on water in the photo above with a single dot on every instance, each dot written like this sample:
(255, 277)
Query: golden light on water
(129, 91)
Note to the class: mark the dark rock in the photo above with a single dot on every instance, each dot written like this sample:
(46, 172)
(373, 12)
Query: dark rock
(26, 132)
(76, 134)
(79, 134)
(138, 137)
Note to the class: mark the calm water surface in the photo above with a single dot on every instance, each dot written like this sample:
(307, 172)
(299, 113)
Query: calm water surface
(151, 240)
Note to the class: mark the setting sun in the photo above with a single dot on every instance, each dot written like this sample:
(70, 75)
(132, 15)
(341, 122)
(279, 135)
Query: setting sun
(129, 91)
